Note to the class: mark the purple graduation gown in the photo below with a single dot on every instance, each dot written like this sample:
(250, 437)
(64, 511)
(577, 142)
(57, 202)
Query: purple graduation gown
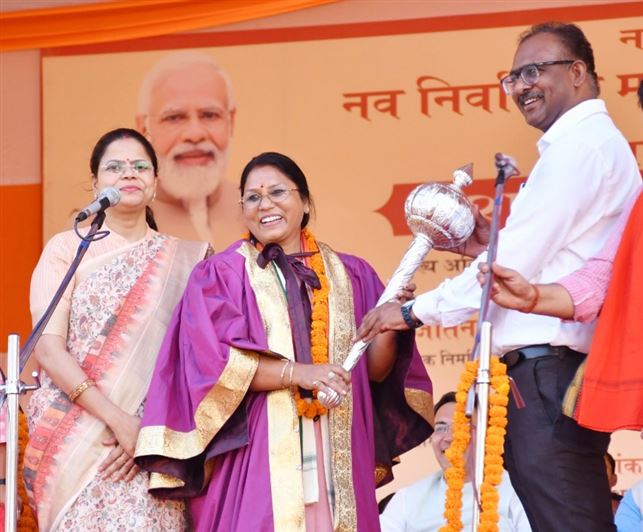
(237, 454)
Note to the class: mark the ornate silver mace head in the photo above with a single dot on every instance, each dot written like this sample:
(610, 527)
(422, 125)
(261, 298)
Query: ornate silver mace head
(441, 212)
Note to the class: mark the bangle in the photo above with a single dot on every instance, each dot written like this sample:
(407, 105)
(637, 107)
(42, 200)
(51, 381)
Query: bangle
(78, 390)
(530, 308)
(292, 369)
(283, 372)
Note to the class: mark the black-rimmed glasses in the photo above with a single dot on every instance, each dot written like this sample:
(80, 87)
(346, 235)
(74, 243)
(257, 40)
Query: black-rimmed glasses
(529, 74)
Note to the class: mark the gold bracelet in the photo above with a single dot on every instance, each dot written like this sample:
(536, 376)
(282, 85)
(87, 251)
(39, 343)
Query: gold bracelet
(533, 304)
(78, 390)
(283, 373)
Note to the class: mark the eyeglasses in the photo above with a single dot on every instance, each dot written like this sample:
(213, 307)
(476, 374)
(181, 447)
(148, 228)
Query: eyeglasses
(117, 168)
(252, 200)
(529, 74)
(442, 428)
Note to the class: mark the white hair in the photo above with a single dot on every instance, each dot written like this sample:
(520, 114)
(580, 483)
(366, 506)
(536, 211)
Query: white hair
(177, 61)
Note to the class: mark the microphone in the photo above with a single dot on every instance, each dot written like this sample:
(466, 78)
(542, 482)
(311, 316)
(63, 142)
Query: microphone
(506, 167)
(107, 198)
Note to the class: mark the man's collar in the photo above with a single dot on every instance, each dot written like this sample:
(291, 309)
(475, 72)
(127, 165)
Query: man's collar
(568, 121)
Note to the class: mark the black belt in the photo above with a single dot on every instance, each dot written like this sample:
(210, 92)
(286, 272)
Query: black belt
(511, 358)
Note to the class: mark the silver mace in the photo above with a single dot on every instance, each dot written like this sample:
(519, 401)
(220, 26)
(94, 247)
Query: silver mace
(439, 216)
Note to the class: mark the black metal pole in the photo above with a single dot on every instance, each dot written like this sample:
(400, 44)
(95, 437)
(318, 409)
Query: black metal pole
(35, 335)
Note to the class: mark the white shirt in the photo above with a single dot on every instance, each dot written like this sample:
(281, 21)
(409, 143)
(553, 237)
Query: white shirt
(562, 216)
(420, 507)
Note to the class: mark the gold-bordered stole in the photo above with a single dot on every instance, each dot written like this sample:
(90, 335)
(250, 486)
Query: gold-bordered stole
(341, 330)
(421, 402)
(213, 411)
(284, 448)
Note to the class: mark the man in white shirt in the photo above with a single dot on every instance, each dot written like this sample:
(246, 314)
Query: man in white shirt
(420, 507)
(562, 216)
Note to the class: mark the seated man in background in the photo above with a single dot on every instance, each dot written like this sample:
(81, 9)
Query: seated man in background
(629, 517)
(420, 507)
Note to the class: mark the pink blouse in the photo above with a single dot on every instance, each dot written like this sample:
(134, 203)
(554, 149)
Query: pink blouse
(587, 286)
(51, 268)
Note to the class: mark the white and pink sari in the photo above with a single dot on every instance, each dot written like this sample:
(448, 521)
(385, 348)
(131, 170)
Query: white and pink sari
(118, 311)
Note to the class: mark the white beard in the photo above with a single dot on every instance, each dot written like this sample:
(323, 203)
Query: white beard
(188, 183)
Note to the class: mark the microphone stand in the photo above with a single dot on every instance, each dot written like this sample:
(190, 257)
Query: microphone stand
(482, 350)
(14, 387)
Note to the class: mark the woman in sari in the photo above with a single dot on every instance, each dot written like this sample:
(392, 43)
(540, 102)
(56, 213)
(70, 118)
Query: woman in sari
(233, 419)
(98, 352)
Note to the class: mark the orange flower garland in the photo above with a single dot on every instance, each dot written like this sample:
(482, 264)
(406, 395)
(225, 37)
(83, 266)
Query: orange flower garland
(455, 475)
(27, 518)
(319, 326)
(494, 444)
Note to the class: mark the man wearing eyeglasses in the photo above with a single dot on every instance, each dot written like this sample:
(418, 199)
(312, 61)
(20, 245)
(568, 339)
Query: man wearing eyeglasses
(420, 507)
(186, 110)
(563, 215)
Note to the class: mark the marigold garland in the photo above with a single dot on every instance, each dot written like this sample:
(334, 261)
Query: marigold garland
(319, 326)
(27, 518)
(494, 443)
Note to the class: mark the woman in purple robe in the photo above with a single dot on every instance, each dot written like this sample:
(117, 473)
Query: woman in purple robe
(232, 419)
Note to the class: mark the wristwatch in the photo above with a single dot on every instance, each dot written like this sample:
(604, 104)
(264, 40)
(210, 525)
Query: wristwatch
(413, 323)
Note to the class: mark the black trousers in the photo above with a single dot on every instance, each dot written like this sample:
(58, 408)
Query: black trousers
(556, 466)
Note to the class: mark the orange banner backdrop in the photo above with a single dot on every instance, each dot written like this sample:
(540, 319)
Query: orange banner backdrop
(131, 19)
(367, 117)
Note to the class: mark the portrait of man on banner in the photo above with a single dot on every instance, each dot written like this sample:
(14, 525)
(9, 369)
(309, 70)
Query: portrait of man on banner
(186, 108)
